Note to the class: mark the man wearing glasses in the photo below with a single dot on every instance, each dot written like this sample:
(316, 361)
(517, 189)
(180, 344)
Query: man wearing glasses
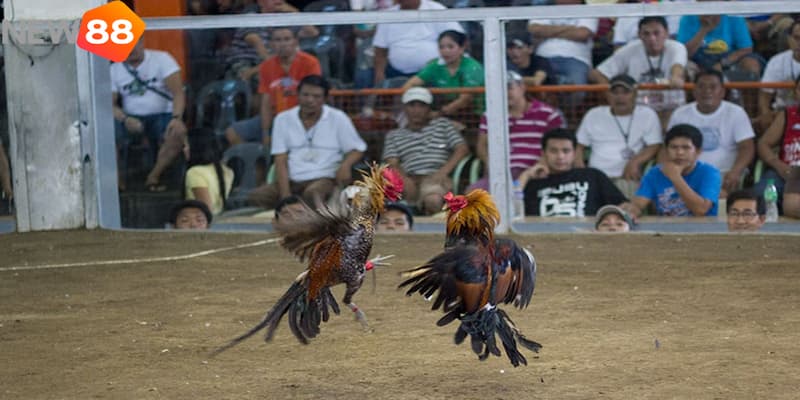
(746, 211)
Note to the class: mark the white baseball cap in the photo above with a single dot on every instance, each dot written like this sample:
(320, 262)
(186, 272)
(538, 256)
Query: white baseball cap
(417, 94)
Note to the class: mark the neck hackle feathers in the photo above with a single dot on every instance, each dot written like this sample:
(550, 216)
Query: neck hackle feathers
(382, 182)
(474, 215)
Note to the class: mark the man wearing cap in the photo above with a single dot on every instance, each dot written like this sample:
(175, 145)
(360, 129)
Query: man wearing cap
(425, 151)
(623, 136)
(611, 218)
(528, 120)
(535, 70)
(653, 58)
(396, 217)
(728, 137)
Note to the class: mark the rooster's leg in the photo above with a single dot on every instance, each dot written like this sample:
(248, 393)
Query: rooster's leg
(348, 299)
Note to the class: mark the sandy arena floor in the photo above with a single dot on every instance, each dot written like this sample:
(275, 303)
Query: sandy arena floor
(620, 317)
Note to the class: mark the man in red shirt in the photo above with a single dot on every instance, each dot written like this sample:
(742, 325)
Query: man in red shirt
(278, 78)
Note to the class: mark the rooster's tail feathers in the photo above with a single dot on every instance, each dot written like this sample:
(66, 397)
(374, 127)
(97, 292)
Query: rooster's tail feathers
(304, 319)
(482, 326)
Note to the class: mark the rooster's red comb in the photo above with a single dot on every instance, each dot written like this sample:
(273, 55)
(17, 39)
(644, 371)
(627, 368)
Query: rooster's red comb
(455, 203)
(393, 183)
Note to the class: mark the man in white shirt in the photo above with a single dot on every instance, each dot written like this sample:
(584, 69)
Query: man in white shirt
(148, 99)
(403, 49)
(627, 28)
(728, 136)
(623, 136)
(314, 147)
(653, 58)
(567, 45)
(782, 67)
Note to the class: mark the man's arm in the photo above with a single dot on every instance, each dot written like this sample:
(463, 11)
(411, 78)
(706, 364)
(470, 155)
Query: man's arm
(633, 169)
(773, 138)
(282, 174)
(175, 87)
(482, 150)
(344, 174)
(381, 59)
(460, 151)
(745, 151)
(697, 204)
(266, 113)
(636, 206)
(676, 76)
(580, 150)
(696, 41)
(595, 76)
(574, 33)
(255, 41)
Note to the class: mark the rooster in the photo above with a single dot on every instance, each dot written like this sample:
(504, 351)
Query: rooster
(474, 274)
(336, 244)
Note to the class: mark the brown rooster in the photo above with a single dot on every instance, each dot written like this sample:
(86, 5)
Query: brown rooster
(474, 274)
(336, 244)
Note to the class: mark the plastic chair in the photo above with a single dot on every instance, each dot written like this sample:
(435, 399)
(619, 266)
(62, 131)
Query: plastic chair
(223, 95)
(457, 172)
(243, 159)
(328, 46)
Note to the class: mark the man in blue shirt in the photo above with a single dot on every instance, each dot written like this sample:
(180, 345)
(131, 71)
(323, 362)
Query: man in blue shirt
(680, 186)
(719, 42)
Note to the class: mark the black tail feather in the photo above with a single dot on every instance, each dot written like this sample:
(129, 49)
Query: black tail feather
(482, 327)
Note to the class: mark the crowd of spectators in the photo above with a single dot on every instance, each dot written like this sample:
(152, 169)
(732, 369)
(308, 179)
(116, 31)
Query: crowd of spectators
(663, 151)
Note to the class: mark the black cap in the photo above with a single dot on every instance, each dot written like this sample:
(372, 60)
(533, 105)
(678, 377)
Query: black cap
(518, 40)
(390, 205)
(623, 80)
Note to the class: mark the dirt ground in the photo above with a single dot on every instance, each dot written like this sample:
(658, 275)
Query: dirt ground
(621, 317)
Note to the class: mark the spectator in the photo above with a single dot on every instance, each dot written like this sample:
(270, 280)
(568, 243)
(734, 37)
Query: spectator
(653, 58)
(249, 46)
(6, 190)
(783, 133)
(453, 69)
(727, 133)
(278, 77)
(314, 148)
(207, 179)
(396, 217)
(528, 120)
(613, 218)
(364, 75)
(535, 70)
(557, 189)
(623, 137)
(782, 67)
(148, 99)
(719, 42)
(680, 186)
(746, 211)
(425, 151)
(791, 194)
(190, 214)
(404, 49)
(567, 45)
(626, 29)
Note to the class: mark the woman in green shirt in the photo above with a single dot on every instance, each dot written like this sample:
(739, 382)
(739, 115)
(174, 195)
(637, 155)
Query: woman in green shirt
(452, 69)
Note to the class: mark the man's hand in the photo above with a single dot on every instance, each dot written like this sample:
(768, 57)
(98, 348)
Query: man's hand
(344, 175)
(538, 171)
(133, 125)
(633, 170)
(730, 182)
(672, 170)
(676, 82)
(176, 129)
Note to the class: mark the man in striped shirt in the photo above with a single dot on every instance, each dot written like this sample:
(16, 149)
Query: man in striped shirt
(425, 151)
(528, 120)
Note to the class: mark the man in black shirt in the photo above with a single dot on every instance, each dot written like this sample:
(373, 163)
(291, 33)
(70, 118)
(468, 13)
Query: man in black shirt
(535, 70)
(554, 188)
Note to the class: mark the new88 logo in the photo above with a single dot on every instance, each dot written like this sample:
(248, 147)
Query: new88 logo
(110, 31)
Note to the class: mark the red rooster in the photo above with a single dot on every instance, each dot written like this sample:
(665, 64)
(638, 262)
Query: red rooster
(336, 244)
(474, 274)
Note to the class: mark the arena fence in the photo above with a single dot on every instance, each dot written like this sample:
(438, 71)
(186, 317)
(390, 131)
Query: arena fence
(493, 22)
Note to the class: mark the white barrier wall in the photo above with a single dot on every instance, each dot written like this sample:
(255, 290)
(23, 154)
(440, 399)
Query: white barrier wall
(50, 113)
